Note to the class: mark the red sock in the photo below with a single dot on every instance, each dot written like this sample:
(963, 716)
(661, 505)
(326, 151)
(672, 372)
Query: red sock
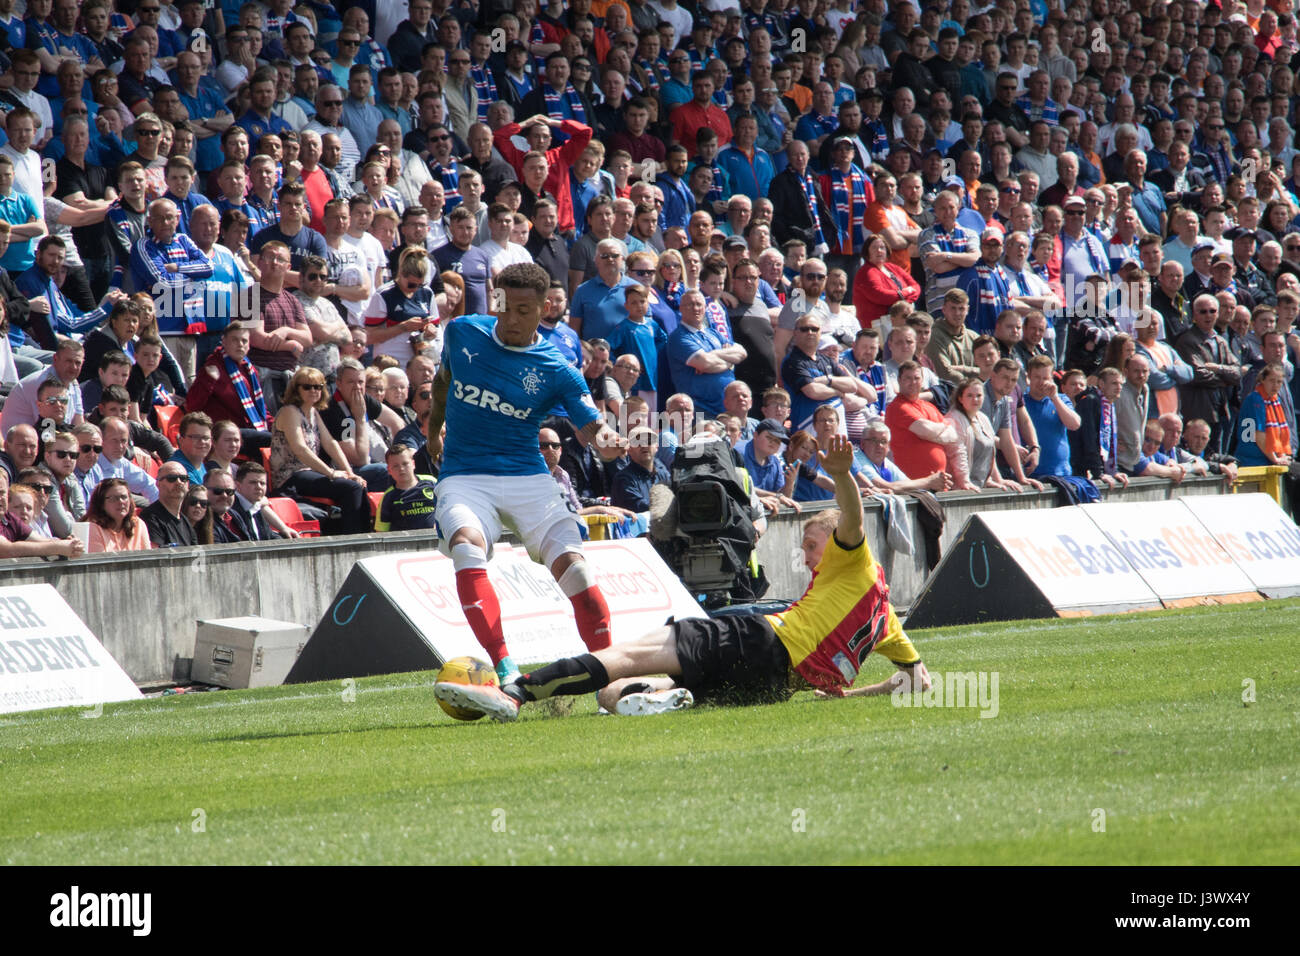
(592, 614)
(478, 599)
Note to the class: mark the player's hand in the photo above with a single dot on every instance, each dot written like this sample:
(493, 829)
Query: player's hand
(836, 694)
(434, 445)
(610, 444)
(837, 459)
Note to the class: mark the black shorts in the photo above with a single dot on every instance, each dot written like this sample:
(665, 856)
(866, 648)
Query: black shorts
(732, 660)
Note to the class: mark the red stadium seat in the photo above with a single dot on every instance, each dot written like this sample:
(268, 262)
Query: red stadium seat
(169, 420)
(288, 511)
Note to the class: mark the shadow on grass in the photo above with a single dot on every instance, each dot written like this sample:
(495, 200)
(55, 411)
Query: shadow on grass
(249, 738)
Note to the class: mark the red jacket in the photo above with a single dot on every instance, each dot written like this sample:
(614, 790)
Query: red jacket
(874, 291)
(216, 397)
(561, 158)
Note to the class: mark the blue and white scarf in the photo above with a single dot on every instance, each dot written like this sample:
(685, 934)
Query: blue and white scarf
(810, 193)
(247, 387)
(450, 176)
(554, 107)
(849, 205)
(486, 87)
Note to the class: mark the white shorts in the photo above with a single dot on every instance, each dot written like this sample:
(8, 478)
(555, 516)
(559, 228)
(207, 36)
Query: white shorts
(534, 507)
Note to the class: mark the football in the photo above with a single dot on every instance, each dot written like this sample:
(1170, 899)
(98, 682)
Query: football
(465, 670)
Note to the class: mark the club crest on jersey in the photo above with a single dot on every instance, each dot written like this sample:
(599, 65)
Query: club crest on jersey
(532, 382)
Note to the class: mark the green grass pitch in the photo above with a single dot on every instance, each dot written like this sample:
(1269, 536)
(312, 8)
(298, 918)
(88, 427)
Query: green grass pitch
(1139, 716)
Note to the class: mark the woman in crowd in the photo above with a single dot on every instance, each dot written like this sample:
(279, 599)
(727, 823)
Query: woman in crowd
(396, 389)
(669, 278)
(226, 445)
(691, 266)
(1122, 347)
(297, 443)
(195, 510)
(879, 283)
(1263, 436)
(970, 457)
(114, 525)
(451, 300)
(1168, 370)
(23, 506)
(1278, 219)
(641, 267)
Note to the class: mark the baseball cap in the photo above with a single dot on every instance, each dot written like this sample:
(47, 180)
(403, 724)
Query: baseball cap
(1221, 257)
(1240, 232)
(1204, 243)
(772, 427)
(1075, 202)
(734, 242)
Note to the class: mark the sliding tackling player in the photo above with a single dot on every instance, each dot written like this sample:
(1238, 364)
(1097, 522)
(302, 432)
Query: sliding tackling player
(820, 641)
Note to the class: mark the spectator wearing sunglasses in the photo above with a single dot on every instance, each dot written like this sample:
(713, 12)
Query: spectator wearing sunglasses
(67, 501)
(165, 519)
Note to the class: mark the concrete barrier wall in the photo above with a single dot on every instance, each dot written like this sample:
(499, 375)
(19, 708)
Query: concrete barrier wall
(143, 606)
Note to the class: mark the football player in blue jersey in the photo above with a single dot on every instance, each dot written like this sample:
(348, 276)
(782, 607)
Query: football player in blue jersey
(498, 380)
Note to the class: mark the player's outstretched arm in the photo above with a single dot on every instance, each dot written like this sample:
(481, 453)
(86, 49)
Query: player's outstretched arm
(837, 460)
(438, 410)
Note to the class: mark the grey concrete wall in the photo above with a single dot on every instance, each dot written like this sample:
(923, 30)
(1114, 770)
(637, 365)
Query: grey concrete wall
(143, 606)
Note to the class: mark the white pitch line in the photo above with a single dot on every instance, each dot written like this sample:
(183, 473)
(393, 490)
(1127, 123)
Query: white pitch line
(216, 704)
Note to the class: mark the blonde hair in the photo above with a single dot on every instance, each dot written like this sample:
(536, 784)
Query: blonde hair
(823, 521)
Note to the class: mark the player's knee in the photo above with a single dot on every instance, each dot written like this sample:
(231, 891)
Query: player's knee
(573, 574)
(558, 542)
(470, 536)
(466, 555)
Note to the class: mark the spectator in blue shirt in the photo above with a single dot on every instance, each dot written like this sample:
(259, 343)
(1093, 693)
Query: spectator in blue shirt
(260, 118)
(599, 303)
(24, 217)
(749, 168)
(1054, 418)
(642, 337)
(679, 202)
(765, 464)
(700, 362)
(38, 281)
(360, 116)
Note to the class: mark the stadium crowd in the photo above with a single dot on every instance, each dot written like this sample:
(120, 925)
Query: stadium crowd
(996, 245)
